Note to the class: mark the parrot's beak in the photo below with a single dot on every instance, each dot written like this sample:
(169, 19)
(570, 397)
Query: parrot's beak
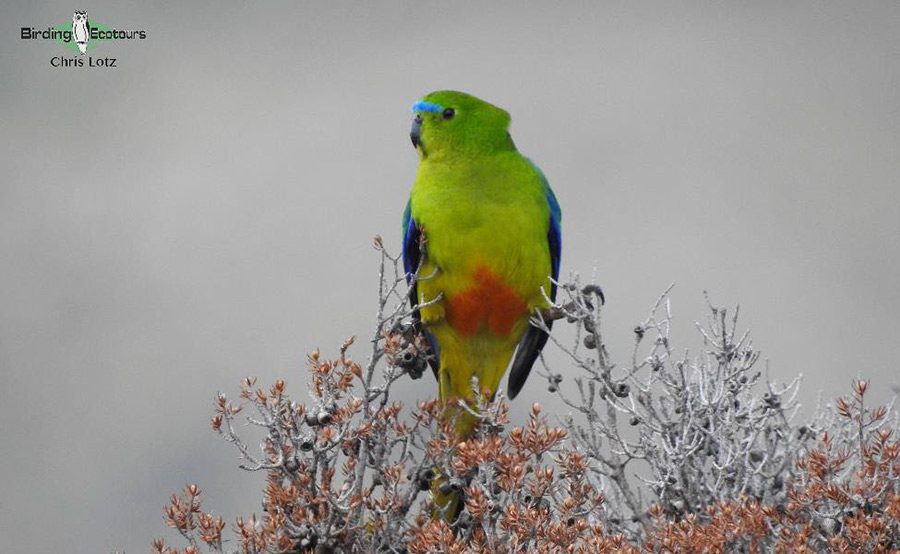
(415, 134)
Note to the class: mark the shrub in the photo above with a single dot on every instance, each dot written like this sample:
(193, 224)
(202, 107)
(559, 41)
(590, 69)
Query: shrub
(665, 453)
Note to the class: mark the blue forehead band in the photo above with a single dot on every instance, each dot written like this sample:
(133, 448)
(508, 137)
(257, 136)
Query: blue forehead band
(422, 106)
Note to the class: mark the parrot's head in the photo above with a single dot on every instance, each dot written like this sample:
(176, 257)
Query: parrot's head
(449, 123)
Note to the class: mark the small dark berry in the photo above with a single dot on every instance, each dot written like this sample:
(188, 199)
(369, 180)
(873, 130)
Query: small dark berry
(406, 359)
(595, 290)
(421, 365)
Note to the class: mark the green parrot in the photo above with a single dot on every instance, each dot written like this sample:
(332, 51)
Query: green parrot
(492, 240)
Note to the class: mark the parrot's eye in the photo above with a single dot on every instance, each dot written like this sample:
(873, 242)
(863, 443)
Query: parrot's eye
(448, 113)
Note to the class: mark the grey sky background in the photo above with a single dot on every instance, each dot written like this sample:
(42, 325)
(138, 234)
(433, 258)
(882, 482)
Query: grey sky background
(205, 210)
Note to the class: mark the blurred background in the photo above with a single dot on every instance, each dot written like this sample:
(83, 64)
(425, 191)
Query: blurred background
(205, 210)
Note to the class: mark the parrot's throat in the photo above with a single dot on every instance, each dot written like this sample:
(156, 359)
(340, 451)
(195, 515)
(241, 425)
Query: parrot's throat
(489, 303)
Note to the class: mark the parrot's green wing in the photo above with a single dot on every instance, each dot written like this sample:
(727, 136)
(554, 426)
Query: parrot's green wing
(534, 340)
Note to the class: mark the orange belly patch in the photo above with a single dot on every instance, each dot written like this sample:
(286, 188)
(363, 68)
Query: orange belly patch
(489, 301)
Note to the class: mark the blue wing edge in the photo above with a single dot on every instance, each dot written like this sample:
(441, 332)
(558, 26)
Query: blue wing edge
(412, 257)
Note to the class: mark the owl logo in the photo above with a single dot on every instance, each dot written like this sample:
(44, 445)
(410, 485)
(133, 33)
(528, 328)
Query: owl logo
(81, 30)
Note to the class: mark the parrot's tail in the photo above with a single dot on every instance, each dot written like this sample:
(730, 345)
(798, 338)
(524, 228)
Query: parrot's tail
(448, 501)
(469, 376)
